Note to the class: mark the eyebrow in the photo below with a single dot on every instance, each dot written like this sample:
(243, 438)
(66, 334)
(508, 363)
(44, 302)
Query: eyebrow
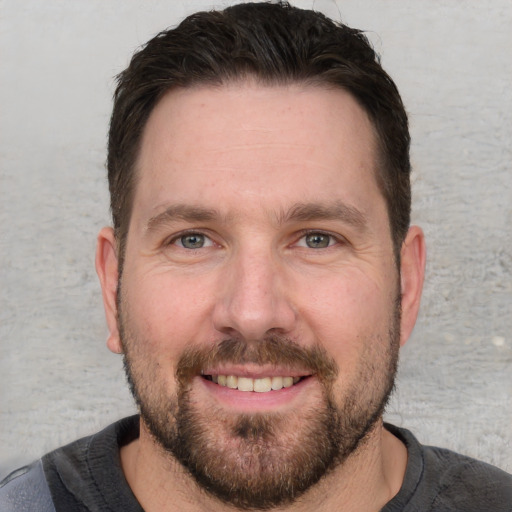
(299, 212)
(337, 210)
(182, 212)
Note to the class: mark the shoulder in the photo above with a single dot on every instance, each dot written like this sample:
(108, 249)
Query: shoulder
(437, 479)
(26, 490)
(464, 481)
(83, 475)
(87, 475)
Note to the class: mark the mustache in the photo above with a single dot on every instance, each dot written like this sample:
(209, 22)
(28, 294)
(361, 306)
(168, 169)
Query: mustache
(275, 350)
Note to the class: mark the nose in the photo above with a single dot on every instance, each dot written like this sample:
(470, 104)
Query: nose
(254, 297)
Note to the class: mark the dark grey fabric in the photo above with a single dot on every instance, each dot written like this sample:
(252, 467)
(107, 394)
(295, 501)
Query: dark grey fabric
(439, 480)
(86, 476)
(26, 490)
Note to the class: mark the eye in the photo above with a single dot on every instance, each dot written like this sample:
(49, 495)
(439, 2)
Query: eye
(316, 240)
(193, 241)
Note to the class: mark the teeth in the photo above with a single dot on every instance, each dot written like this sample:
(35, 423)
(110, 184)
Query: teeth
(245, 384)
(232, 381)
(263, 385)
(287, 382)
(277, 383)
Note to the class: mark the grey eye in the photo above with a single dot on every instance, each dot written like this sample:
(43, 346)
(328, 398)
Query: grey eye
(192, 241)
(318, 240)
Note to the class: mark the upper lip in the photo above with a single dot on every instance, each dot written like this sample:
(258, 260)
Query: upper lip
(255, 371)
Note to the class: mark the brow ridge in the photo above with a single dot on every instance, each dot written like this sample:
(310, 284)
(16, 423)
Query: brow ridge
(182, 212)
(299, 212)
(337, 210)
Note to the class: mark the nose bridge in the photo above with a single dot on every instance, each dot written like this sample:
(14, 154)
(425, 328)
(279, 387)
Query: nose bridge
(253, 301)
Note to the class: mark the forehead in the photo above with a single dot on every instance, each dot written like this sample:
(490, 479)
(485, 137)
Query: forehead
(245, 140)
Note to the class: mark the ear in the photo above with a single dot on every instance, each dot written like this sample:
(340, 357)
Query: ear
(108, 272)
(412, 273)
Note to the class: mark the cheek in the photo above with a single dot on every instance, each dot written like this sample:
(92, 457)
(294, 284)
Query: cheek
(346, 313)
(168, 312)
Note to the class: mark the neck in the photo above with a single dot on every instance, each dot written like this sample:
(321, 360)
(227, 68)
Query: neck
(367, 480)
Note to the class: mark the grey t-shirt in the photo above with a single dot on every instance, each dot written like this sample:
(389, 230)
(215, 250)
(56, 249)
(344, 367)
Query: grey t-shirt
(86, 476)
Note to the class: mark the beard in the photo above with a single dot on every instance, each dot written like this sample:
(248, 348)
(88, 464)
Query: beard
(258, 461)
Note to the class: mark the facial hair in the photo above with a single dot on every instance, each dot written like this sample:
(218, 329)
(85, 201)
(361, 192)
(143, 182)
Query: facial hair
(257, 461)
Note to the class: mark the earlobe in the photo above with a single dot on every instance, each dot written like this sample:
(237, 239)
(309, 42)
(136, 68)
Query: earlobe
(412, 273)
(108, 272)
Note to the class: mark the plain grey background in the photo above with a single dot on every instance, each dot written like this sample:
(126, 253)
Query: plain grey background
(451, 61)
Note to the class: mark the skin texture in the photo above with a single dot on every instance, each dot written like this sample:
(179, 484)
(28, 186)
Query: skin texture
(255, 170)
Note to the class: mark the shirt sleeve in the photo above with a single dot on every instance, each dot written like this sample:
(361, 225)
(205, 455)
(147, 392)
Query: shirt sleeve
(26, 490)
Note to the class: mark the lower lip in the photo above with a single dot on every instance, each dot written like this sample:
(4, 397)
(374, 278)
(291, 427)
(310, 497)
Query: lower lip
(252, 401)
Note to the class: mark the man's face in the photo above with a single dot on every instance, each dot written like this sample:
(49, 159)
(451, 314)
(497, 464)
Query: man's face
(259, 256)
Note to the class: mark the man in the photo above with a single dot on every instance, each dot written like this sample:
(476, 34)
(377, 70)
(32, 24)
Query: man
(259, 280)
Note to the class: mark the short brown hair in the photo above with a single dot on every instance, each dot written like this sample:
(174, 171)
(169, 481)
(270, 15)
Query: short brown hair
(276, 44)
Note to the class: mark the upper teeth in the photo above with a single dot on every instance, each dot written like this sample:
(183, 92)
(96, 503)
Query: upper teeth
(259, 385)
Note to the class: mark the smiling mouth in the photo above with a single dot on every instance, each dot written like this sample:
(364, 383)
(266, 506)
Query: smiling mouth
(260, 385)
